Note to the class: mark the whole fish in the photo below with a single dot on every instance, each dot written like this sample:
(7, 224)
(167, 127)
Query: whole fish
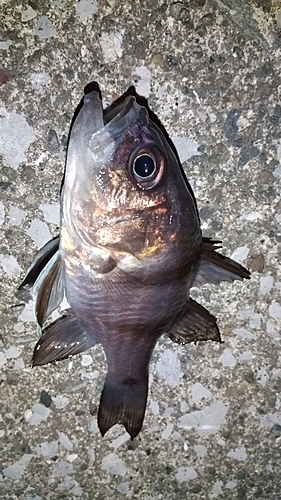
(130, 248)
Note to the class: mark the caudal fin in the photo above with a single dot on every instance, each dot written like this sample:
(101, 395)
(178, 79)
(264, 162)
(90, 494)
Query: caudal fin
(123, 404)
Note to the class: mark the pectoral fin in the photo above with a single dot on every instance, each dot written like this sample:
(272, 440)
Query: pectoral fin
(63, 338)
(196, 323)
(40, 260)
(48, 290)
(214, 267)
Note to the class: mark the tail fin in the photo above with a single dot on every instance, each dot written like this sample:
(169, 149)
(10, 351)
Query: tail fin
(215, 267)
(123, 404)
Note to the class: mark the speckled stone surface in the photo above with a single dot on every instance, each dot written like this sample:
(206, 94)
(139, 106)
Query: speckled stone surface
(211, 71)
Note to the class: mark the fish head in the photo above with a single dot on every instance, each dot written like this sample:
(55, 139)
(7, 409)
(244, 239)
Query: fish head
(124, 189)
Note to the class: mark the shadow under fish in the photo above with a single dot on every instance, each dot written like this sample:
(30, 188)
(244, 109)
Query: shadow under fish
(130, 248)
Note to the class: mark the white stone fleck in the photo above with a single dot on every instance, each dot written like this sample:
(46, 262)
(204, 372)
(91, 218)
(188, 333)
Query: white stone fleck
(262, 376)
(63, 468)
(90, 375)
(60, 401)
(4, 45)
(28, 313)
(18, 327)
(125, 488)
(120, 440)
(200, 450)
(205, 421)
(86, 8)
(15, 137)
(39, 413)
(39, 232)
(29, 497)
(65, 441)
(70, 484)
(277, 171)
(230, 485)
(246, 357)
(161, 92)
(16, 470)
(216, 489)
(184, 407)
(199, 392)
(244, 333)
(185, 474)
(2, 213)
(2, 433)
(240, 254)
(185, 147)
(87, 360)
(10, 265)
(227, 358)
(41, 159)
(270, 419)
(51, 213)
(154, 406)
(2, 359)
(168, 412)
(12, 352)
(111, 45)
(92, 454)
(19, 364)
(94, 426)
(113, 465)
(71, 457)
(44, 28)
(239, 454)
(275, 310)
(251, 216)
(38, 81)
(143, 85)
(255, 320)
(47, 449)
(245, 313)
(167, 431)
(28, 14)
(271, 331)
(58, 3)
(16, 216)
(168, 367)
(266, 284)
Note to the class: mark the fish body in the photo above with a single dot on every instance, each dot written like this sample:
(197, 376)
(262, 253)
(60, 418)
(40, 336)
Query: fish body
(129, 250)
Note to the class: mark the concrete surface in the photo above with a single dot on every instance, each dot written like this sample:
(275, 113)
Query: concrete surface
(211, 71)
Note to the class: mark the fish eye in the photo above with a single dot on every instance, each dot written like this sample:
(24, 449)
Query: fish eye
(147, 165)
(144, 166)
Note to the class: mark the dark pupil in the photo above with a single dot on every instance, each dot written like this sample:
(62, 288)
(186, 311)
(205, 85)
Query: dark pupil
(144, 166)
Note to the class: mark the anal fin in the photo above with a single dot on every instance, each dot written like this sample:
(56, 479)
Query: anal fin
(196, 323)
(63, 338)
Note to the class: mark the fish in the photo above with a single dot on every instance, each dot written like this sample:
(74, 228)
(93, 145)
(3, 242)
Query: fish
(129, 250)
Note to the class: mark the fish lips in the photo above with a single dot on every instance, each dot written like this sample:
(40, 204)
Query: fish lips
(94, 137)
(99, 130)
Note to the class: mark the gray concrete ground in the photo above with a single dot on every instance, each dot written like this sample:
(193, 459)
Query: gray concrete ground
(211, 71)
